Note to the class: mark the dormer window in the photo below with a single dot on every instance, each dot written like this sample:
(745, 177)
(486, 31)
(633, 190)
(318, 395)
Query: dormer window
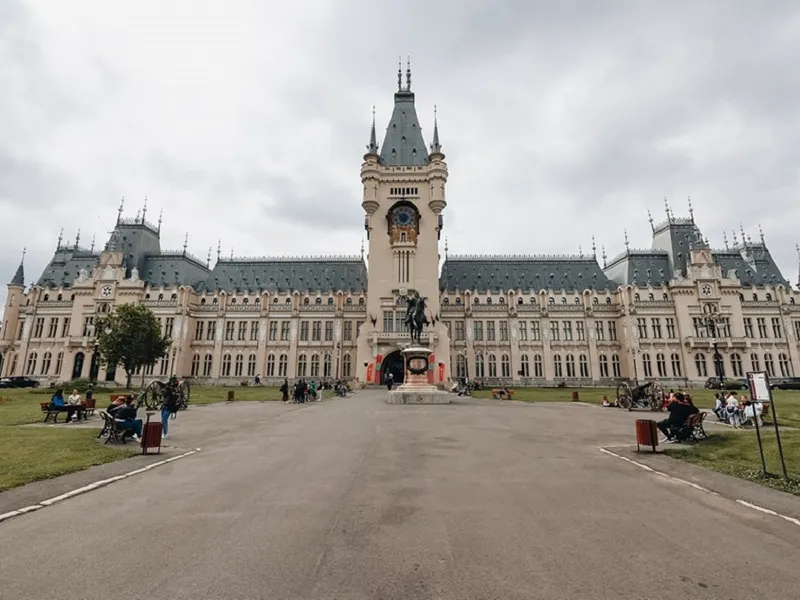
(348, 301)
(769, 297)
(318, 301)
(551, 301)
(636, 298)
(651, 297)
(608, 300)
(445, 300)
(305, 301)
(233, 300)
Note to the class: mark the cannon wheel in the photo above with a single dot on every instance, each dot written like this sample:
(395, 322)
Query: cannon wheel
(656, 396)
(153, 395)
(624, 396)
(184, 390)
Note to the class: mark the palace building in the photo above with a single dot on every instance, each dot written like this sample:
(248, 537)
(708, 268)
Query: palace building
(679, 311)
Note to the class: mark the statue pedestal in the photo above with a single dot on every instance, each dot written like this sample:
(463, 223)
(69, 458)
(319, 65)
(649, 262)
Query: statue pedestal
(415, 388)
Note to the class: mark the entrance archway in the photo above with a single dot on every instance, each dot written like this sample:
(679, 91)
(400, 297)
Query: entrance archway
(393, 363)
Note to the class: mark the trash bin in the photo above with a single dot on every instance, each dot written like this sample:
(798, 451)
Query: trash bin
(574, 396)
(230, 395)
(151, 435)
(646, 434)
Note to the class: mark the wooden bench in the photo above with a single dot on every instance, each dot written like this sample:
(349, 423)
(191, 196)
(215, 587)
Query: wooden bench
(501, 393)
(111, 429)
(693, 428)
(88, 407)
(50, 413)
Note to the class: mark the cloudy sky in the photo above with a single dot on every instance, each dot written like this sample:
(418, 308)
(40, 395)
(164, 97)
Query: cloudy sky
(247, 121)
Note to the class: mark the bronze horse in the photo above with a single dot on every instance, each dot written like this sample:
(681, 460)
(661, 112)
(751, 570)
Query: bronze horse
(415, 317)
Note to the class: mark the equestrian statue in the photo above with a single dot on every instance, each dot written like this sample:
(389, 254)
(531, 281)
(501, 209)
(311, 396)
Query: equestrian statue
(415, 316)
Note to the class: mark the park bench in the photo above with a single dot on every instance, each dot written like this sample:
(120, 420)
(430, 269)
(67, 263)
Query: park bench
(88, 407)
(507, 394)
(111, 429)
(693, 428)
(50, 413)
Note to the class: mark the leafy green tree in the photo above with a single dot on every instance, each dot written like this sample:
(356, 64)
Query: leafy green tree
(131, 337)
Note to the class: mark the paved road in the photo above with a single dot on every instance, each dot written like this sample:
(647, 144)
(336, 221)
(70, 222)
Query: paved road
(356, 499)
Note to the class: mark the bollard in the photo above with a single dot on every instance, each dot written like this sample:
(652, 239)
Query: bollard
(230, 395)
(574, 396)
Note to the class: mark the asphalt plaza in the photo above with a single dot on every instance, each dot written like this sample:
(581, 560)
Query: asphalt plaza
(354, 498)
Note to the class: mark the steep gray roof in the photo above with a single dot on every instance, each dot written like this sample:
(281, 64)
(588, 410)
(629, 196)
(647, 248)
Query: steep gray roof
(528, 273)
(19, 276)
(66, 264)
(171, 268)
(403, 144)
(752, 264)
(640, 268)
(138, 239)
(307, 274)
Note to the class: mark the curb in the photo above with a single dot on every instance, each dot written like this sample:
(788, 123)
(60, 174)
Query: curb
(90, 487)
(749, 505)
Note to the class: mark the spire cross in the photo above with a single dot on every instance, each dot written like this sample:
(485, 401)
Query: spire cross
(60, 238)
(77, 238)
(144, 210)
(119, 210)
(185, 242)
(627, 245)
(735, 238)
(594, 248)
(666, 207)
(725, 239)
(580, 250)
(24, 252)
(744, 237)
(208, 258)
(160, 217)
(93, 236)
(603, 249)
(446, 246)
(691, 210)
(219, 249)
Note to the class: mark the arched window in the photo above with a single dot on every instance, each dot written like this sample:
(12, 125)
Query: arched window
(615, 366)
(570, 362)
(661, 365)
(741, 297)
(361, 302)
(174, 297)
(246, 301)
(226, 365)
(700, 365)
(445, 300)
(479, 372)
(208, 365)
(520, 301)
(769, 364)
(202, 301)
(524, 365)
(492, 366)
(785, 366)
(195, 365)
(608, 300)
(636, 298)
(476, 300)
(327, 366)
(330, 300)
(791, 300)
(347, 362)
(315, 365)
(275, 300)
(46, 359)
(755, 297)
(505, 366)
(318, 301)
(664, 297)
(59, 363)
(461, 366)
(458, 301)
(769, 297)
(533, 300)
(288, 301)
(257, 301)
(147, 296)
(563, 300)
(348, 301)
(647, 365)
(583, 365)
(558, 369)
(31, 369)
(538, 366)
(501, 300)
(239, 368)
(577, 300)
(603, 359)
(650, 297)
(675, 359)
(305, 301)
(215, 301)
(251, 365)
(60, 297)
(283, 365)
(12, 363)
(551, 301)
(489, 300)
(46, 297)
(595, 301)
(736, 365)
(755, 362)
(160, 297)
(301, 365)
(271, 365)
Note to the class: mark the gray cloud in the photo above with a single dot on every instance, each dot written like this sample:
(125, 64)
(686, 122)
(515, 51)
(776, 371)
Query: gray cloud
(560, 120)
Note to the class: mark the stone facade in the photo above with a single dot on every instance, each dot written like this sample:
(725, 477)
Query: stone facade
(521, 320)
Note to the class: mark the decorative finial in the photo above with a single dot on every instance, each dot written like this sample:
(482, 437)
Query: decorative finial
(400, 74)
(580, 250)
(691, 210)
(594, 248)
(372, 147)
(144, 210)
(362, 248)
(627, 244)
(208, 258)
(436, 146)
(650, 218)
(77, 238)
(446, 246)
(185, 242)
(408, 74)
(735, 239)
(231, 252)
(666, 207)
(761, 234)
(603, 249)
(744, 237)
(725, 239)
(60, 237)
(119, 210)
(219, 249)
(24, 252)
(92, 248)
(138, 213)
(160, 218)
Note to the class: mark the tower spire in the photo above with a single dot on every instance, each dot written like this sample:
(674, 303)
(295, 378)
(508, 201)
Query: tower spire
(219, 249)
(761, 235)
(144, 209)
(92, 248)
(372, 147)
(725, 239)
(594, 248)
(669, 211)
(119, 210)
(77, 238)
(60, 238)
(19, 276)
(650, 218)
(627, 244)
(185, 242)
(160, 218)
(735, 238)
(362, 249)
(744, 237)
(400, 74)
(436, 147)
(603, 249)
(446, 247)
(408, 74)
(691, 210)
(208, 258)
(138, 215)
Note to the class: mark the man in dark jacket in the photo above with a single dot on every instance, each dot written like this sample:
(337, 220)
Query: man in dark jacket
(126, 417)
(679, 412)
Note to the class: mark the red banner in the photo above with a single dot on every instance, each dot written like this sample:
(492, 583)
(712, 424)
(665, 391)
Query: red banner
(431, 362)
(369, 372)
(378, 365)
(441, 372)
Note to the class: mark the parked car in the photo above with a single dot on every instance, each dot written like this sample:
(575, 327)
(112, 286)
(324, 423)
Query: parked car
(728, 383)
(789, 383)
(18, 382)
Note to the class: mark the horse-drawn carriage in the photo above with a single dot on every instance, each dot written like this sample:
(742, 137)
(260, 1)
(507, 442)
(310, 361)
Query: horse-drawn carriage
(153, 395)
(647, 395)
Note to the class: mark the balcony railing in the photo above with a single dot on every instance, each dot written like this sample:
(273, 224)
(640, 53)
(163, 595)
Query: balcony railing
(159, 303)
(243, 308)
(55, 304)
(205, 307)
(354, 308)
(654, 304)
(489, 307)
(280, 308)
(565, 308)
(759, 304)
(317, 307)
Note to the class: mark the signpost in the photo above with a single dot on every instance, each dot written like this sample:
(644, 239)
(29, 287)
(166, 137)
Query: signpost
(760, 392)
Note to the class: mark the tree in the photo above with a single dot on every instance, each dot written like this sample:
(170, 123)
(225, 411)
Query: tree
(131, 337)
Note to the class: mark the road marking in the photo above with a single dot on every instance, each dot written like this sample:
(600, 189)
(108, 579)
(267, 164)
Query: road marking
(761, 509)
(91, 486)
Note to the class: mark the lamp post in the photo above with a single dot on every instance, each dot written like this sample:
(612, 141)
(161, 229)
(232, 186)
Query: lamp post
(711, 319)
(633, 352)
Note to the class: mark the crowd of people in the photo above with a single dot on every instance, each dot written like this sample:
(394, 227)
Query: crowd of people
(680, 407)
(304, 391)
(737, 411)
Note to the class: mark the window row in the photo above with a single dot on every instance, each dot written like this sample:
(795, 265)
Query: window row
(718, 366)
(277, 366)
(257, 301)
(568, 366)
(644, 328)
(762, 329)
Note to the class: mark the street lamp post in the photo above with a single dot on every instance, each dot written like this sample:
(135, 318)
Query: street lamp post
(633, 352)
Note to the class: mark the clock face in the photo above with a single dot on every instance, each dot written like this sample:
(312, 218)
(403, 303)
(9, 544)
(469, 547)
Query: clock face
(105, 292)
(706, 290)
(404, 217)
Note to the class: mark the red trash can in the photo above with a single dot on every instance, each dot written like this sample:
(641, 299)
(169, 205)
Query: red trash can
(151, 435)
(574, 396)
(646, 434)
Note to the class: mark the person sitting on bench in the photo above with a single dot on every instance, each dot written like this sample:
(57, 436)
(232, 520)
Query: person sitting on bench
(679, 412)
(126, 418)
(57, 403)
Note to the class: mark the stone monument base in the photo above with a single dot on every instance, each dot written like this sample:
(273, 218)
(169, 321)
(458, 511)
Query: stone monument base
(416, 389)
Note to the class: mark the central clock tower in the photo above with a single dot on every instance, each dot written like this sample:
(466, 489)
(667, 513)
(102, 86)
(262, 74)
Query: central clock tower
(403, 200)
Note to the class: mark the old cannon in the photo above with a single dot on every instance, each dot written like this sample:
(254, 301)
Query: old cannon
(647, 395)
(153, 395)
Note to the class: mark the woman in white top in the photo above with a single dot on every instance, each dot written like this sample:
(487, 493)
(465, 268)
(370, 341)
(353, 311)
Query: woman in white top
(74, 399)
(732, 409)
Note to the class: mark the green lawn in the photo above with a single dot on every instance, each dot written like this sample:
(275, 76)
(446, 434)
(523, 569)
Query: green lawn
(736, 453)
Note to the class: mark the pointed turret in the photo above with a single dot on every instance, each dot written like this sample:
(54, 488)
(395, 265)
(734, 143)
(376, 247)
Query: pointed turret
(372, 147)
(19, 276)
(403, 145)
(436, 147)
